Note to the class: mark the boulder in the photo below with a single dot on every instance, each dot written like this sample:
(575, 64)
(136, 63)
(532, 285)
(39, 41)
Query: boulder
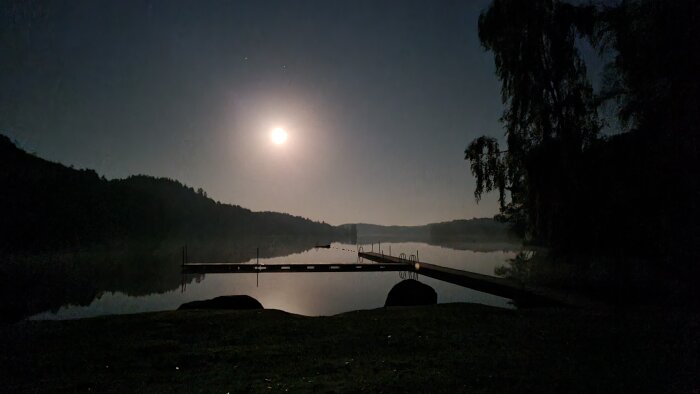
(411, 292)
(224, 302)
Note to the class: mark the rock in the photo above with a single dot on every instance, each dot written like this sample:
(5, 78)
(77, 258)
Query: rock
(224, 302)
(411, 292)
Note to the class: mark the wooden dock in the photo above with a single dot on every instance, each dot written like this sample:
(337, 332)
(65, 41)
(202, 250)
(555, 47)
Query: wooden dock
(230, 268)
(521, 294)
(488, 284)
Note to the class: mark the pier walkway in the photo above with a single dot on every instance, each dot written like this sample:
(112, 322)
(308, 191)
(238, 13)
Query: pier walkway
(523, 295)
(230, 268)
(502, 287)
(487, 284)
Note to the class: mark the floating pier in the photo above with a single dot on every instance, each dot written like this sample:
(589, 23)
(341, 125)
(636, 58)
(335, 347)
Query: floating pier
(488, 284)
(231, 268)
(502, 287)
(521, 294)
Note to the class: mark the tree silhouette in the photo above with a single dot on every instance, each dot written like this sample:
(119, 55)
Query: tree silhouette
(653, 80)
(549, 116)
(632, 196)
(48, 206)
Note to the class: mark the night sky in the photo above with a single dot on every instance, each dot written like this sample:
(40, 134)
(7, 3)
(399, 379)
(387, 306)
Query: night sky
(379, 101)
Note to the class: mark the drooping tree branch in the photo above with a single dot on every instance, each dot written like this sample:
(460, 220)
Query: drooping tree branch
(488, 166)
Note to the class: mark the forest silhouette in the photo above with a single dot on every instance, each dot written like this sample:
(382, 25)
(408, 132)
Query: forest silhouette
(69, 235)
(48, 206)
(587, 184)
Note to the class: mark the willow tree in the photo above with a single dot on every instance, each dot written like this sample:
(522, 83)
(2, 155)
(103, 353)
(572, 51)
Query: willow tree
(549, 116)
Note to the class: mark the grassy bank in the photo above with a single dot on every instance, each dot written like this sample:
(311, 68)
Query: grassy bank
(443, 348)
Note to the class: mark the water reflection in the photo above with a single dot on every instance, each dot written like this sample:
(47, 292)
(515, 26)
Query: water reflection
(132, 273)
(303, 293)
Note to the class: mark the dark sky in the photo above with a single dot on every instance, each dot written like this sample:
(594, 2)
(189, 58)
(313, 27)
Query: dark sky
(379, 100)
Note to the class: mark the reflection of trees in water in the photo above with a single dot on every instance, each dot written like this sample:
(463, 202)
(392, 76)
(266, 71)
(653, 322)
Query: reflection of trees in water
(41, 282)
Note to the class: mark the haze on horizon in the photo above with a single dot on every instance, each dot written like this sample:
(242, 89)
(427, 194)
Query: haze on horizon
(377, 100)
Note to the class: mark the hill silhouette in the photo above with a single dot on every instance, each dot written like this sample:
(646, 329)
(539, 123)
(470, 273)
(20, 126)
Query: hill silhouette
(48, 206)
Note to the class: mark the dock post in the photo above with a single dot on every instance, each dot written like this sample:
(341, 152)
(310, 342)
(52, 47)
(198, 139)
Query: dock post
(257, 263)
(417, 259)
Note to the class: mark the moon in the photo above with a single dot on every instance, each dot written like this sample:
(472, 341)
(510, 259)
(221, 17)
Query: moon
(278, 136)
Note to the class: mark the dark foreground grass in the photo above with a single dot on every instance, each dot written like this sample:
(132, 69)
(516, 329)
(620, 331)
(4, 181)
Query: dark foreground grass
(443, 348)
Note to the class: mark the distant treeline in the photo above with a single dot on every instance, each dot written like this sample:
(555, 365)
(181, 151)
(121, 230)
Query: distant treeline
(472, 230)
(46, 205)
(375, 232)
(477, 230)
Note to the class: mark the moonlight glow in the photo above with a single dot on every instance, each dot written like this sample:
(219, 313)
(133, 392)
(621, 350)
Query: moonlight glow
(278, 136)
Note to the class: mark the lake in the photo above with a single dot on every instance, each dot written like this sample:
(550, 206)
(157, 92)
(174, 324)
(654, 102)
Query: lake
(310, 294)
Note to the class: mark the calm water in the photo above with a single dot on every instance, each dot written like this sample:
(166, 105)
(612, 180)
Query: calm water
(309, 294)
